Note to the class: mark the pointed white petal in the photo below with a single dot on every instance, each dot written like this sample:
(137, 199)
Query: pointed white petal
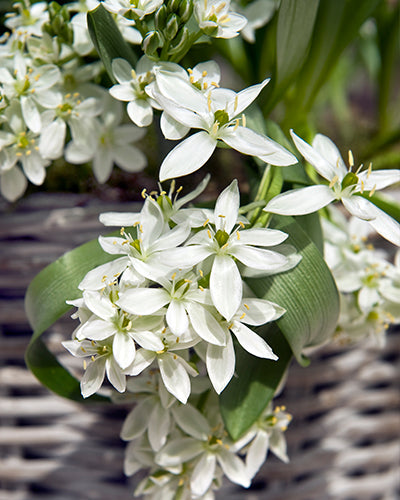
(181, 92)
(140, 112)
(189, 256)
(259, 258)
(99, 304)
(174, 376)
(220, 364)
(137, 420)
(94, 279)
(205, 324)
(143, 359)
(93, 377)
(191, 421)
(143, 300)
(176, 317)
(31, 114)
(225, 286)
(172, 238)
(52, 140)
(102, 165)
(188, 156)
(95, 329)
(159, 426)
(227, 208)
(122, 70)
(179, 451)
(379, 179)
(114, 374)
(301, 201)
(233, 467)
(123, 349)
(252, 342)
(247, 96)
(33, 166)
(257, 453)
(148, 340)
(259, 311)
(203, 475)
(129, 158)
(328, 150)
(262, 237)
(321, 164)
(13, 184)
(171, 128)
(120, 219)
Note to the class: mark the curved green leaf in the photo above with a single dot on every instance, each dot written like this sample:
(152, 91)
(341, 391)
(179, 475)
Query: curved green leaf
(107, 39)
(255, 384)
(308, 292)
(45, 303)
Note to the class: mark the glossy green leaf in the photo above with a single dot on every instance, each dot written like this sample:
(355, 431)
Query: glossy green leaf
(107, 39)
(45, 303)
(255, 383)
(308, 292)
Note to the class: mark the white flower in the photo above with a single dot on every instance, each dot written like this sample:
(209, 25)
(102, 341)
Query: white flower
(109, 143)
(344, 185)
(130, 88)
(78, 114)
(33, 87)
(102, 362)
(138, 8)
(257, 13)
(30, 19)
(266, 433)
(216, 20)
(225, 242)
(216, 114)
(207, 446)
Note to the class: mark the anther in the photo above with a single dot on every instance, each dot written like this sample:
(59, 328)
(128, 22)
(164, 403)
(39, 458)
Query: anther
(351, 159)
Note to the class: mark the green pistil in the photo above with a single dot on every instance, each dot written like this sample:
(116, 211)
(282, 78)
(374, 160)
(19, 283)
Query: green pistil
(136, 245)
(23, 86)
(349, 179)
(23, 141)
(221, 237)
(222, 117)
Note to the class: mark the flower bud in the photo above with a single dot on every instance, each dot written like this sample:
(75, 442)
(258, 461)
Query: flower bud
(173, 5)
(151, 42)
(181, 43)
(171, 27)
(160, 18)
(185, 10)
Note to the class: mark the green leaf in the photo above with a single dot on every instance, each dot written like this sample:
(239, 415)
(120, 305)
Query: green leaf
(293, 34)
(107, 39)
(45, 303)
(308, 292)
(255, 384)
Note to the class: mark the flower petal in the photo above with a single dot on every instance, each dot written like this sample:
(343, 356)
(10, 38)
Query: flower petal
(301, 201)
(137, 420)
(93, 377)
(257, 453)
(220, 364)
(203, 475)
(227, 208)
(188, 156)
(174, 376)
(205, 324)
(159, 426)
(191, 421)
(259, 311)
(263, 237)
(124, 349)
(143, 300)
(140, 112)
(176, 317)
(233, 467)
(252, 342)
(225, 286)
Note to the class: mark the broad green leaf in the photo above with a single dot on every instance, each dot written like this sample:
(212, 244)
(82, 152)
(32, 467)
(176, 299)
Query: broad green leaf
(308, 292)
(45, 303)
(107, 39)
(293, 34)
(255, 384)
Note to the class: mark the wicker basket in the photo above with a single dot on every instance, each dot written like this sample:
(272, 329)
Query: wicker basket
(343, 442)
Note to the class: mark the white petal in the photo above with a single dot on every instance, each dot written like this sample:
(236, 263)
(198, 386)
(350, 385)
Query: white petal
(143, 359)
(123, 92)
(114, 374)
(31, 114)
(94, 279)
(191, 421)
(148, 340)
(251, 143)
(102, 165)
(172, 238)
(247, 96)
(123, 349)
(129, 158)
(143, 300)
(177, 318)
(137, 420)
(328, 150)
(171, 128)
(179, 451)
(93, 377)
(379, 179)
(259, 258)
(122, 70)
(188, 256)
(78, 153)
(120, 219)
(12, 184)
(174, 376)
(301, 201)
(220, 364)
(99, 304)
(259, 311)
(227, 208)
(367, 298)
(95, 329)
(140, 112)
(321, 164)
(225, 286)
(159, 426)
(188, 156)
(203, 475)
(33, 166)
(252, 342)
(205, 324)
(233, 467)
(181, 92)
(52, 139)
(263, 237)
(257, 453)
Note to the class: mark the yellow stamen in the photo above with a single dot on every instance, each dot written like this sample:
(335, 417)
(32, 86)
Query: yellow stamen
(372, 191)
(209, 101)
(351, 159)
(209, 234)
(206, 222)
(333, 181)
(238, 235)
(242, 316)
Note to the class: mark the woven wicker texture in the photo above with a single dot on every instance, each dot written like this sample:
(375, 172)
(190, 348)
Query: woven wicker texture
(343, 442)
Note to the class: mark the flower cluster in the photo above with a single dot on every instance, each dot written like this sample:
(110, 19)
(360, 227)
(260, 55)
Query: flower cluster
(51, 107)
(167, 310)
(368, 282)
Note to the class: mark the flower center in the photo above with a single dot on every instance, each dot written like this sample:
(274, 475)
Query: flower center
(221, 237)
